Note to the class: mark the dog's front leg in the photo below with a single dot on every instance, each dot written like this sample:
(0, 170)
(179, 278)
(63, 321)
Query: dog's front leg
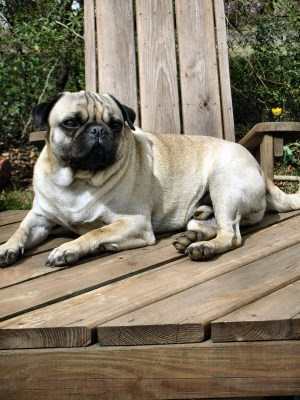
(120, 235)
(33, 230)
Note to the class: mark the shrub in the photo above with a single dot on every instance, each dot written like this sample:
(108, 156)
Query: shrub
(264, 42)
(40, 49)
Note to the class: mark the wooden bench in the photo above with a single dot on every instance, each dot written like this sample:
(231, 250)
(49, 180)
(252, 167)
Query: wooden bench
(149, 323)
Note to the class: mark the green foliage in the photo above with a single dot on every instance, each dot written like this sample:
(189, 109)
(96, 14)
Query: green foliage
(16, 200)
(291, 154)
(38, 50)
(265, 59)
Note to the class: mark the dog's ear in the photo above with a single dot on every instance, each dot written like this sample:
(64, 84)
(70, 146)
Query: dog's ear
(40, 112)
(127, 113)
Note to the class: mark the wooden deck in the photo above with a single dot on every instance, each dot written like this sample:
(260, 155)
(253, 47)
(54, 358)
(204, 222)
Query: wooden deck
(63, 331)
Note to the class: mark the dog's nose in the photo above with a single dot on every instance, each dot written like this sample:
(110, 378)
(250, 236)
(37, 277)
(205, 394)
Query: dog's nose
(97, 131)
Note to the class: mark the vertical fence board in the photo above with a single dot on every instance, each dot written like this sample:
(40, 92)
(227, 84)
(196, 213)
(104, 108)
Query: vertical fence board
(90, 46)
(201, 108)
(157, 66)
(225, 89)
(116, 50)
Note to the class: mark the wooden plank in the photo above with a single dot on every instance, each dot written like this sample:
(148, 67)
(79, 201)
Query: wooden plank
(51, 337)
(201, 108)
(278, 146)
(37, 137)
(106, 303)
(266, 156)
(25, 269)
(202, 303)
(223, 63)
(274, 317)
(157, 66)
(116, 51)
(29, 268)
(11, 217)
(185, 371)
(7, 230)
(90, 46)
(253, 138)
(34, 267)
(66, 283)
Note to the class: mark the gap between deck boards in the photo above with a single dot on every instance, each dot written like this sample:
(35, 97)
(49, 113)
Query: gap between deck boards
(262, 233)
(93, 265)
(26, 269)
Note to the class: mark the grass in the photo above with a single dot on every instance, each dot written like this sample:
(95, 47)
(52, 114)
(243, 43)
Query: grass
(16, 199)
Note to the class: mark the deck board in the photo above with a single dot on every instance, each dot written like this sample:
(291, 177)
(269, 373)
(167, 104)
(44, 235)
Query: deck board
(10, 217)
(274, 317)
(153, 372)
(34, 267)
(98, 306)
(69, 282)
(204, 302)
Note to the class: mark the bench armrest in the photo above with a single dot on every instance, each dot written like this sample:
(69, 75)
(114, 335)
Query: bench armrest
(261, 142)
(254, 137)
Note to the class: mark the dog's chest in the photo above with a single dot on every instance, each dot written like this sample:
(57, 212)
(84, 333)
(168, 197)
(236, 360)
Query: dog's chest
(78, 208)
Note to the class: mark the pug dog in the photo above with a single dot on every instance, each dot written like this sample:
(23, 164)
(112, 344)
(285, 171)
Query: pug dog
(117, 186)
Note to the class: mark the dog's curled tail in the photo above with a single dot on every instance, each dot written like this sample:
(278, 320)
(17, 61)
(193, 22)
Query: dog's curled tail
(279, 201)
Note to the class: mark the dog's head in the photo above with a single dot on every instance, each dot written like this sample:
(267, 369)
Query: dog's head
(85, 128)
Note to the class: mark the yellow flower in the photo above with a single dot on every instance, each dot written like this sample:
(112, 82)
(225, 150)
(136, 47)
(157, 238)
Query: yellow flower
(276, 111)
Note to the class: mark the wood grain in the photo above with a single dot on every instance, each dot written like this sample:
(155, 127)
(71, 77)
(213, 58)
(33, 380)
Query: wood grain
(7, 230)
(201, 108)
(274, 317)
(65, 283)
(212, 299)
(278, 146)
(153, 372)
(267, 156)
(157, 66)
(116, 51)
(207, 301)
(37, 137)
(51, 337)
(33, 267)
(11, 217)
(224, 76)
(29, 268)
(90, 46)
(254, 137)
(105, 303)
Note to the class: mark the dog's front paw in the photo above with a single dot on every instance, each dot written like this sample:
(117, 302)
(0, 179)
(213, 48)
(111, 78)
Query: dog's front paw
(10, 254)
(201, 251)
(63, 255)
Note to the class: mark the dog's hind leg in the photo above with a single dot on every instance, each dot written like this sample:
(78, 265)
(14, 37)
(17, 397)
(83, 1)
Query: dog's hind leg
(197, 230)
(227, 231)
(203, 212)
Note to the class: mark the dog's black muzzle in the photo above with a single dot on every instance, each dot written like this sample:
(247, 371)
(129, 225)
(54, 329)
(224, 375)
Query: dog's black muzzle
(94, 148)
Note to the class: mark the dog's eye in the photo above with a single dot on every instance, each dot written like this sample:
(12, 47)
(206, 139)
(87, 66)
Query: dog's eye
(115, 124)
(70, 123)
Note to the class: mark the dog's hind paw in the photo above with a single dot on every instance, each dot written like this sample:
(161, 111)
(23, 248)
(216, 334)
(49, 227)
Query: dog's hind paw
(200, 251)
(203, 212)
(183, 240)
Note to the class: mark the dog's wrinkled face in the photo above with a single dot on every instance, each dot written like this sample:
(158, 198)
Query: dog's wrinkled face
(85, 128)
